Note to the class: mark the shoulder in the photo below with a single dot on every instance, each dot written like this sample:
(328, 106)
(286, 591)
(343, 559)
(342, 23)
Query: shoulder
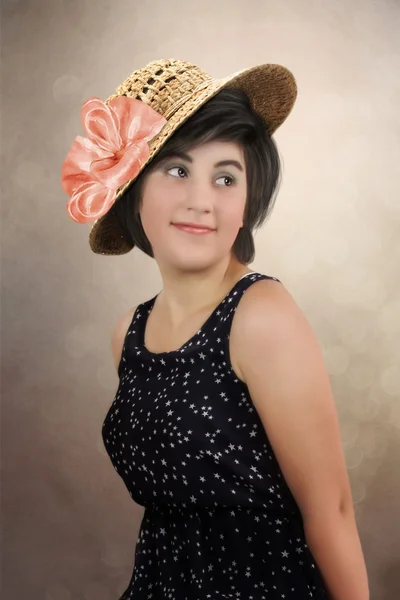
(267, 320)
(266, 298)
(118, 334)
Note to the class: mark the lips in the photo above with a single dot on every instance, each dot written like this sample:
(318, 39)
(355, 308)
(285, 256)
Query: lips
(194, 226)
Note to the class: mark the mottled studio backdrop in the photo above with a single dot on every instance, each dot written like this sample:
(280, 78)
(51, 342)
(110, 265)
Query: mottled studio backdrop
(68, 525)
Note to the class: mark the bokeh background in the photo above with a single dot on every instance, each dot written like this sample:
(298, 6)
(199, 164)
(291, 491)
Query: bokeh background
(68, 525)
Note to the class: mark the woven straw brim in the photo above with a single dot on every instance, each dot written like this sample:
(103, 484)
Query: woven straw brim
(272, 91)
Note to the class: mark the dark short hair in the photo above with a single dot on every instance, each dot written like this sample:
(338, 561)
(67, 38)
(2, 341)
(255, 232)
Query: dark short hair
(229, 117)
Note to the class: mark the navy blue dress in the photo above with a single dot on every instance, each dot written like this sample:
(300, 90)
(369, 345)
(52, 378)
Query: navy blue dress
(183, 433)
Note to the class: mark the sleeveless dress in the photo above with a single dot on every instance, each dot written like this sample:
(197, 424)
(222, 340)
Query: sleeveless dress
(220, 521)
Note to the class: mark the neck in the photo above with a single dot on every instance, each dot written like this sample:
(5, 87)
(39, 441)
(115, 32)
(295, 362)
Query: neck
(187, 294)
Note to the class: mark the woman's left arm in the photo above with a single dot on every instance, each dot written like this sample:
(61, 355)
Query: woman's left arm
(280, 360)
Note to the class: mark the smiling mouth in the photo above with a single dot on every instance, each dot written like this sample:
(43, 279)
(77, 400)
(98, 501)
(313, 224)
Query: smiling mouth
(192, 228)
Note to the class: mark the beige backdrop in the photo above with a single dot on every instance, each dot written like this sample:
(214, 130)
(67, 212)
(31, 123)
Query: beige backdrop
(69, 525)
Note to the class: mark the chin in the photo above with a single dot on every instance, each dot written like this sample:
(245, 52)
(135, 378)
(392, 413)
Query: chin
(192, 261)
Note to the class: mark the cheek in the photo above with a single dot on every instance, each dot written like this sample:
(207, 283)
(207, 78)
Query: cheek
(231, 213)
(156, 211)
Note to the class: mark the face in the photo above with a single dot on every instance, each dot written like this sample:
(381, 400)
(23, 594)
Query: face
(207, 187)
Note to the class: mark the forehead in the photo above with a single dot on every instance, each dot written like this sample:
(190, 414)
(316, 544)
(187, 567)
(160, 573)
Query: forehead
(217, 149)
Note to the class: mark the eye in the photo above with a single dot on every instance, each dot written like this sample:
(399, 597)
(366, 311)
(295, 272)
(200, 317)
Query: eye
(227, 180)
(181, 171)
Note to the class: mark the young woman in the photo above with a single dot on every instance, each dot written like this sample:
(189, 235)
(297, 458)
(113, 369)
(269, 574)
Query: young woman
(223, 425)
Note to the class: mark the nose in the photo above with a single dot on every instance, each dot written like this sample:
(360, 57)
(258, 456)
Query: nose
(199, 197)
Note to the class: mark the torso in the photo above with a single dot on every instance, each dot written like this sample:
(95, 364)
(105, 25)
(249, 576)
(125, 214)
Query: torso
(184, 435)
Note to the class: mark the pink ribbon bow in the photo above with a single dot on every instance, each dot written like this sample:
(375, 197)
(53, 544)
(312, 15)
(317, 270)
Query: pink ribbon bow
(112, 154)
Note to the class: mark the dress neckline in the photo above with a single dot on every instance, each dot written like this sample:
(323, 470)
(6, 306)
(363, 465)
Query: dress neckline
(170, 353)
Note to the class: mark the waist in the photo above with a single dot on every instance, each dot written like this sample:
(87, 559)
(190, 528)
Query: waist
(222, 509)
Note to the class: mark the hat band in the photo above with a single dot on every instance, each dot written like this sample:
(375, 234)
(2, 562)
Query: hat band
(177, 105)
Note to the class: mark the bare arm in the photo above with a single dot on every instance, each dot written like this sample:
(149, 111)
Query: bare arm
(281, 362)
(118, 335)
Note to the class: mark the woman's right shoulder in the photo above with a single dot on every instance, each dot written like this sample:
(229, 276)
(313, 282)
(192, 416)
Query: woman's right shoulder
(118, 334)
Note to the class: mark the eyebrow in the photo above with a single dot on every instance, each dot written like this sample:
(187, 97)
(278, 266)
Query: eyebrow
(221, 163)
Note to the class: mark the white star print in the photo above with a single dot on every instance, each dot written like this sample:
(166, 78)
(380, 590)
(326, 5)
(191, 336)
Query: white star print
(183, 433)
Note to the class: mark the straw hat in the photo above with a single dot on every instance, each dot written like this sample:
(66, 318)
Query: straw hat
(175, 90)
